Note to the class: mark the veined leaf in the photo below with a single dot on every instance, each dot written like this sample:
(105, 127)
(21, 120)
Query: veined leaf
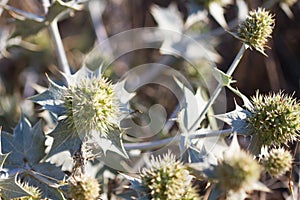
(10, 188)
(26, 148)
(236, 119)
(64, 139)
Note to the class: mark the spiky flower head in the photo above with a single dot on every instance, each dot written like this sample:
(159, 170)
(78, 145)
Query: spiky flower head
(91, 105)
(237, 172)
(168, 179)
(274, 120)
(276, 162)
(86, 188)
(34, 193)
(257, 28)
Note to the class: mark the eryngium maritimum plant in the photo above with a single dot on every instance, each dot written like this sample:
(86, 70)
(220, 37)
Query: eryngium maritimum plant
(274, 120)
(256, 29)
(276, 162)
(92, 105)
(168, 179)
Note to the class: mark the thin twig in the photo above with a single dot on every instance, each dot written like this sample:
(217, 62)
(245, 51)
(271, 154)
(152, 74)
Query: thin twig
(220, 86)
(58, 45)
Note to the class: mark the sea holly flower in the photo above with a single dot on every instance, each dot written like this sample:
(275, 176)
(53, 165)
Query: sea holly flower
(271, 120)
(91, 104)
(167, 178)
(235, 174)
(88, 107)
(256, 29)
(274, 120)
(276, 162)
(86, 188)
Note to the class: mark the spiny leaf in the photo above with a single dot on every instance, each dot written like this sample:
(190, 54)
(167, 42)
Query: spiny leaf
(168, 18)
(28, 23)
(9, 188)
(113, 142)
(237, 120)
(222, 78)
(64, 138)
(26, 148)
(192, 105)
(25, 145)
(51, 99)
(48, 187)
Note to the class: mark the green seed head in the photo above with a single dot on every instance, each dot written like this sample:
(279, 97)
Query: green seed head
(91, 105)
(168, 179)
(276, 162)
(85, 189)
(257, 28)
(237, 172)
(274, 120)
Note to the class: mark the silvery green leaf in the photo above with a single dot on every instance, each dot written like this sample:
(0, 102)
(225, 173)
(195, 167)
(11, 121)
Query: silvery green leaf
(217, 11)
(112, 142)
(28, 23)
(64, 139)
(221, 77)
(248, 105)
(123, 96)
(200, 15)
(237, 120)
(10, 188)
(48, 187)
(25, 145)
(242, 9)
(193, 104)
(52, 98)
(215, 193)
(168, 18)
(135, 183)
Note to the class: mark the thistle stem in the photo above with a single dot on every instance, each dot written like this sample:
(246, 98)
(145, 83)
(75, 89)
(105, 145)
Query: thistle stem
(172, 140)
(220, 86)
(60, 52)
(58, 45)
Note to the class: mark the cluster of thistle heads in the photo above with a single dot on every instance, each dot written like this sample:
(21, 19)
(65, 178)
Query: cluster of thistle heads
(273, 122)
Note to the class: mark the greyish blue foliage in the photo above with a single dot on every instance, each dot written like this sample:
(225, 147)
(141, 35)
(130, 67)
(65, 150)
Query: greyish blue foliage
(26, 149)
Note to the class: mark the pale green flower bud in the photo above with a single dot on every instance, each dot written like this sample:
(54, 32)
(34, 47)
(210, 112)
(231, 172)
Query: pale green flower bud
(85, 189)
(274, 120)
(168, 179)
(237, 172)
(276, 162)
(91, 105)
(256, 29)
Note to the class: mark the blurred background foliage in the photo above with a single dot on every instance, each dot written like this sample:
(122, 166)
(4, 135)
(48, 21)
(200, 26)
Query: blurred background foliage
(25, 60)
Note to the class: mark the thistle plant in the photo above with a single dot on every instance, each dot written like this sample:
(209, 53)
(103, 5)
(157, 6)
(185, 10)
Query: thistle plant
(167, 178)
(91, 104)
(256, 29)
(86, 188)
(274, 120)
(276, 161)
